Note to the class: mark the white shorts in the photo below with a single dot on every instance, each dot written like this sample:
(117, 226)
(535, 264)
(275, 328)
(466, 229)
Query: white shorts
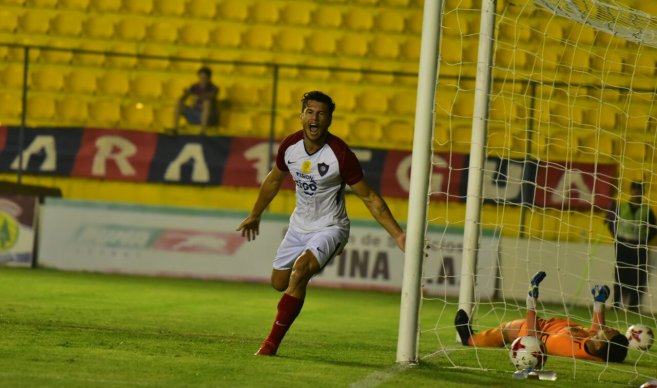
(324, 244)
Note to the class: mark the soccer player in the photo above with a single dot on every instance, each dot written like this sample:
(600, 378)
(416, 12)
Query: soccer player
(561, 336)
(321, 165)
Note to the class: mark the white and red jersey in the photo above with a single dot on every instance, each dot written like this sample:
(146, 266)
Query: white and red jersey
(320, 180)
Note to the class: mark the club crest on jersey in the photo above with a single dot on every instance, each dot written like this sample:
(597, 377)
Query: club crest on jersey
(322, 168)
(306, 166)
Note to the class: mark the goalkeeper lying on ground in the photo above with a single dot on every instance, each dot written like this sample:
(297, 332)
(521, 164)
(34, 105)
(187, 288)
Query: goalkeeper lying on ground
(561, 336)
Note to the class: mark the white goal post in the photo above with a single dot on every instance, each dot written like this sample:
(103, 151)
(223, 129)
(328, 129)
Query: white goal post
(419, 186)
(419, 183)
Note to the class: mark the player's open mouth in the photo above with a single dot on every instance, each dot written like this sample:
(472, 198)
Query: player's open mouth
(314, 128)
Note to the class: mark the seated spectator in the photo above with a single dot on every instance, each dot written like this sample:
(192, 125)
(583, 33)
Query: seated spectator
(203, 110)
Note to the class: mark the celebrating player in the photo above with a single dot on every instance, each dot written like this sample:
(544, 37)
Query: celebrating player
(320, 165)
(561, 336)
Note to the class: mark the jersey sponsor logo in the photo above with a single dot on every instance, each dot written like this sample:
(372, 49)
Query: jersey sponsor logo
(306, 166)
(322, 168)
(308, 188)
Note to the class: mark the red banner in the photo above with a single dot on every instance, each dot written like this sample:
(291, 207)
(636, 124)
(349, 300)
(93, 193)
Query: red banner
(135, 156)
(115, 154)
(574, 185)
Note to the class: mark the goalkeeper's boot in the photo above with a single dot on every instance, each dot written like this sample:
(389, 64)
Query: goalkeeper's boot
(462, 323)
(267, 348)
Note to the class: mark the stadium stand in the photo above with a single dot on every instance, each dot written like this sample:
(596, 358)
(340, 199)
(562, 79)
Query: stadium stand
(201, 9)
(398, 133)
(297, 14)
(99, 27)
(366, 131)
(67, 24)
(131, 28)
(137, 115)
(173, 8)
(195, 34)
(384, 35)
(40, 109)
(152, 59)
(82, 81)
(359, 19)
(106, 6)
(328, 17)
(114, 83)
(35, 22)
(72, 111)
(143, 7)
(48, 79)
(80, 5)
(236, 10)
(13, 76)
(10, 107)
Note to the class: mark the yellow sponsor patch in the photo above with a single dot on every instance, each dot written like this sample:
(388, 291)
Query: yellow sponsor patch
(306, 166)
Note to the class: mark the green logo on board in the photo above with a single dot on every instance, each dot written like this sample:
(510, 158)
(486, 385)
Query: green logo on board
(8, 231)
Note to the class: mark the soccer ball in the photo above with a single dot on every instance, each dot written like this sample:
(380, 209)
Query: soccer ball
(640, 337)
(649, 384)
(528, 352)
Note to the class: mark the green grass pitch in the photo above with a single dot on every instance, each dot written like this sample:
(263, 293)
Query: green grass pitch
(80, 330)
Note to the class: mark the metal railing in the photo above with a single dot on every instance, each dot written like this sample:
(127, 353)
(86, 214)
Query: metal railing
(273, 69)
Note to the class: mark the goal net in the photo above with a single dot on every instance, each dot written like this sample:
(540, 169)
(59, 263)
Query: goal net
(570, 124)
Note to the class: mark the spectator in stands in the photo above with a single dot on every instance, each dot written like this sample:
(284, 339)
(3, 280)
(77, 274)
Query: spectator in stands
(203, 110)
(632, 224)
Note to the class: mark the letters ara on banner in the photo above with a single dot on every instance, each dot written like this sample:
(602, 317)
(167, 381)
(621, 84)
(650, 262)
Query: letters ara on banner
(125, 155)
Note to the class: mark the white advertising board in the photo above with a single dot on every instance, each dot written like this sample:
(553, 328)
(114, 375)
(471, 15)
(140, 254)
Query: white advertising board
(202, 243)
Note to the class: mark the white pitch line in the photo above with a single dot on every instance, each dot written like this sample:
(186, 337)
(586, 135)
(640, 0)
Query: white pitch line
(379, 377)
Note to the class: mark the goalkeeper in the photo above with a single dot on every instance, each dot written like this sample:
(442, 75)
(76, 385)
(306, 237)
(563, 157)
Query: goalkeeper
(561, 336)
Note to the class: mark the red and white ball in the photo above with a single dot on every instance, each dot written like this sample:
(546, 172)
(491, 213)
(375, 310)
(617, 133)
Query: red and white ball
(640, 336)
(528, 352)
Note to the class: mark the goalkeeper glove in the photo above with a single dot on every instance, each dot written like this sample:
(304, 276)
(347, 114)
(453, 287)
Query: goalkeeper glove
(600, 293)
(533, 290)
(533, 284)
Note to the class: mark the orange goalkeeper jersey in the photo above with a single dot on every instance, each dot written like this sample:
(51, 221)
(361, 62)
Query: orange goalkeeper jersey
(563, 337)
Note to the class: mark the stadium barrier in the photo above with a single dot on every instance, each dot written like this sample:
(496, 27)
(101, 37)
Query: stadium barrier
(203, 243)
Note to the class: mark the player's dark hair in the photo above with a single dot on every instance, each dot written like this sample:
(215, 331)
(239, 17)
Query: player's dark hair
(205, 70)
(318, 96)
(615, 350)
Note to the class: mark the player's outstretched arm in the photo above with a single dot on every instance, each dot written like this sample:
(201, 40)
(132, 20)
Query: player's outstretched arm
(380, 211)
(532, 296)
(600, 296)
(250, 227)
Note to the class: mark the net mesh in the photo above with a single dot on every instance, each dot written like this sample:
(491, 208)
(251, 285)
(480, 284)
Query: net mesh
(571, 124)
